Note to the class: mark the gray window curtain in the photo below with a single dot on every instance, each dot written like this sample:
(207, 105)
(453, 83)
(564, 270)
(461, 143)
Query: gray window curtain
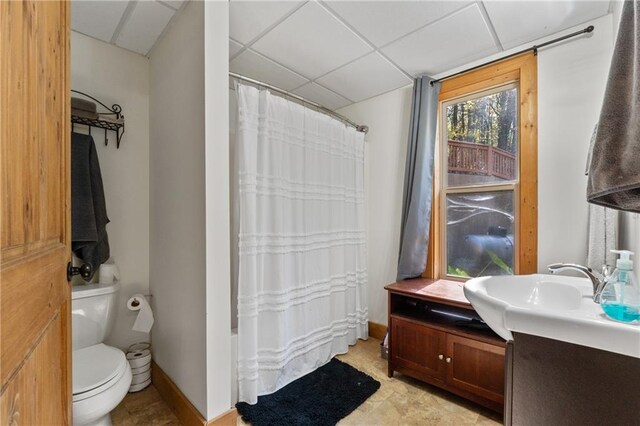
(418, 179)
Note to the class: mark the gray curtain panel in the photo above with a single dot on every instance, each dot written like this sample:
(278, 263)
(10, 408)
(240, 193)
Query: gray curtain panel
(614, 172)
(418, 180)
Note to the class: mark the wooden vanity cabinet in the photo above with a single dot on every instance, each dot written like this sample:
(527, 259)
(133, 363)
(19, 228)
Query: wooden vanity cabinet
(476, 367)
(426, 343)
(418, 348)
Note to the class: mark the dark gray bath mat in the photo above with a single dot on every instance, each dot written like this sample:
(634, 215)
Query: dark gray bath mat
(321, 398)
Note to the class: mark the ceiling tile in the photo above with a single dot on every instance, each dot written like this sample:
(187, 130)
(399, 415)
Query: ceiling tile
(311, 42)
(381, 22)
(458, 39)
(234, 47)
(248, 19)
(176, 4)
(252, 65)
(98, 19)
(322, 96)
(144, 26)
(523, 21)
(368, 76)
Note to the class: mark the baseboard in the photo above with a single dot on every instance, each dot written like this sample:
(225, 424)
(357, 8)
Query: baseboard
(186, 413)
(230, 418)
(377, 331)
(179, 404)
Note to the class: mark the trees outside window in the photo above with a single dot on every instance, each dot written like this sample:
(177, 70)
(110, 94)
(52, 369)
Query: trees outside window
(484, 217)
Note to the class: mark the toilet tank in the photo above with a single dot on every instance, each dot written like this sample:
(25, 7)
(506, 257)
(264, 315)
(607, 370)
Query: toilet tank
(93, 309)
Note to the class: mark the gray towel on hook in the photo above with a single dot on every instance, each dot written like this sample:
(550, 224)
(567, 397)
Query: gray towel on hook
(602, 237)
(602, 231)
(89, 219)
(614, 171)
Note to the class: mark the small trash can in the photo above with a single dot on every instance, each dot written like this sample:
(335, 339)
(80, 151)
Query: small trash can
(384, 349)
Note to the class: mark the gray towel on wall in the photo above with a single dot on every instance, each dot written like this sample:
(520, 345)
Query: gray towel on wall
(602, 237)
(88, 208)
(602, 232)
(614, 171)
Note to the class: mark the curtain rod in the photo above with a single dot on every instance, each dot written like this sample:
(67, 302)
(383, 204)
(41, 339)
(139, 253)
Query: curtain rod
(359, 128)
(533, 49)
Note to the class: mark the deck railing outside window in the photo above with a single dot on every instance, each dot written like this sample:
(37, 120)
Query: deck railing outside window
(479, 159)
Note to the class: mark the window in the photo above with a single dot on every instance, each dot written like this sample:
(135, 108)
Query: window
(484, 215)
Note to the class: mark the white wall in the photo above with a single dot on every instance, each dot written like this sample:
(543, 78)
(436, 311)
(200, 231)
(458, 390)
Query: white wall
(571, 81)
(216, 50)
(189, 216)
(114, 75)
(177, 204)
(616, 11)
(387, 116)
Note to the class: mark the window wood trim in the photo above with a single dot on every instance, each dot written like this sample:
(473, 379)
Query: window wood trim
(522, 70)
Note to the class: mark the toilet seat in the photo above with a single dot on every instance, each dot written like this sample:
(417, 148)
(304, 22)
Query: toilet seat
(95, 369)
(101, 379)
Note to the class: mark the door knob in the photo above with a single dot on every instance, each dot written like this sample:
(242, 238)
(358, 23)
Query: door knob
(83, 270)
(440, 356)
(448, 360)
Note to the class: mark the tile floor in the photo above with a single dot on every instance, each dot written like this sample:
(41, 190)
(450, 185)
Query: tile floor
(399, 401)
(143, 408)
(402, 400)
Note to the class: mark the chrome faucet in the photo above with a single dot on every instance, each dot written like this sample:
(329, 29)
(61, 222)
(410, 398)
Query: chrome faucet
(597, 281)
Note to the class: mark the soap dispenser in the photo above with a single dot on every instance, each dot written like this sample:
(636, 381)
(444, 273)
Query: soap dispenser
(620, 299)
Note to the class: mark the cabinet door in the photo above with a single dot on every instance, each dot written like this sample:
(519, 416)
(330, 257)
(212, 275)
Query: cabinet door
(418, 347)
(475, 367)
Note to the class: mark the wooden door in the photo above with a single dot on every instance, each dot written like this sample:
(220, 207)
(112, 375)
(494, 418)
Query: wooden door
(35, 343)
(418, 347)
(476, 367)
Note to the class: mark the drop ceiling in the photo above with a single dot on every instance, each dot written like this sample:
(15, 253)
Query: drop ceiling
(132, 25)
(339, 52)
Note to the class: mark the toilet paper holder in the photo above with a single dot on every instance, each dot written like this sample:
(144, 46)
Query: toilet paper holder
(144, 318)
(135, 302)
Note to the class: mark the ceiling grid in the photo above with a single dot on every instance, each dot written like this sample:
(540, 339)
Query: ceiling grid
(339, 52)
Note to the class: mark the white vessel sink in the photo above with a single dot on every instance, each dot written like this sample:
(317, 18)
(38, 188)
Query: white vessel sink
(552, 306)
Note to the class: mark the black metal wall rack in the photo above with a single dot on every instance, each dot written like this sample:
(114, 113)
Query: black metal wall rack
(115, 111)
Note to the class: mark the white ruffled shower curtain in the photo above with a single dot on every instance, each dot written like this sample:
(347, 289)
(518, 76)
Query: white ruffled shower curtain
(302, 274)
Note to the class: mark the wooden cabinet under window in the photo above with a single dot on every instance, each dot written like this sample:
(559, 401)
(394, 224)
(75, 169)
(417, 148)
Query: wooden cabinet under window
(432, 338)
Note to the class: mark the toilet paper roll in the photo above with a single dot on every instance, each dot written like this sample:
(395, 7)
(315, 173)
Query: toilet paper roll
(136, 379)
(139, 370)
(136, 388)
(108, 272)
(140, 346)
(139, 358)
(144, 320)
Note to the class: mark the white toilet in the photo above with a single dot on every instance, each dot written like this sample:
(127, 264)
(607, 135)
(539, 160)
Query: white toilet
(101, 373)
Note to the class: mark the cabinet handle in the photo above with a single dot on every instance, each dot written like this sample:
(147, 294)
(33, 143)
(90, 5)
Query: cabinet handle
(448, 360)
(440, 356)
